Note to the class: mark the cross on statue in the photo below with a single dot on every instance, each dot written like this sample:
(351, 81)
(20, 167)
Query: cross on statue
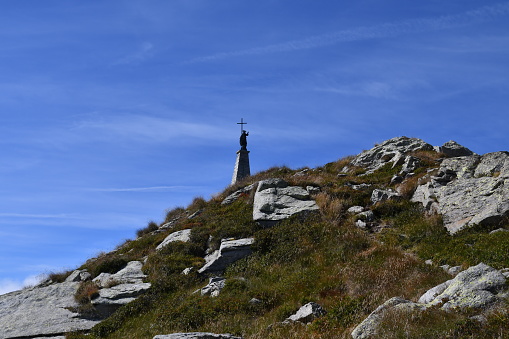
(241, 123)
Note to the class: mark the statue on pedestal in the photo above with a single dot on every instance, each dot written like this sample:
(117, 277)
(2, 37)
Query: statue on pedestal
(243, 140)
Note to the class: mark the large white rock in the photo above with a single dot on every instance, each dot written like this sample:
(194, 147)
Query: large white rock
(390, 151)
(275, 200)
(131, 274)
(469, 190)
(112, 298)
(477, 288)
(184, 235)
(229, 252)
(120, 288)
(41, 311)
(369, 327)
(453, 149)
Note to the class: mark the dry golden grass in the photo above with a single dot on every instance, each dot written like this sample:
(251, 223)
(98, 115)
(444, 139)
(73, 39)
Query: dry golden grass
(331, 208)
(87, 291)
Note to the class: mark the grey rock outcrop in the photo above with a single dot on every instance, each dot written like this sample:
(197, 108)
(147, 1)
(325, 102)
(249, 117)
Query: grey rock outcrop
(237, 194)
(355, 209)
(79, 275)
(390, 151)
(41, 311)
(453, 149)
(468, 191)
(229, 252)
(369, 327)
(477, 288)
(120, 288)
(183, 235)
(359, 187)
(112, 298)
(131, 274)
(196, 335)
(307, 313)
(214, 287)
(275, 200)
(379, 195)
(410, 164)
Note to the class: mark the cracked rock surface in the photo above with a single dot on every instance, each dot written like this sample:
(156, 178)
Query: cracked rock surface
(468, 190)
(275, 200)
(41, 311)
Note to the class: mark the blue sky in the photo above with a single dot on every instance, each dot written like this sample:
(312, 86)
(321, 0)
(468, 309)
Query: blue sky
(113, 111)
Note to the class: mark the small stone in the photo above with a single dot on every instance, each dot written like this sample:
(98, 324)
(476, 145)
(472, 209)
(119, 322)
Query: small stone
(313, 189)
(194, 215)
(361, 224)
(355, 209)
(183, 235)
(255, 301)
(308, 313)
(79, 275)
(498, 230)
(214, 287)
(187, 271)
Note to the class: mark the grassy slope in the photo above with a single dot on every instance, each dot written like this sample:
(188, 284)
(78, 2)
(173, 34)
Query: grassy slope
(320, 257)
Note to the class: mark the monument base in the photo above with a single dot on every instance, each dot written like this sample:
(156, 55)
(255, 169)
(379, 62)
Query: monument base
(242, 168)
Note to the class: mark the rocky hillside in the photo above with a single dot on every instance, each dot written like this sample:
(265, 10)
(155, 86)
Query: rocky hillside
(405, 240)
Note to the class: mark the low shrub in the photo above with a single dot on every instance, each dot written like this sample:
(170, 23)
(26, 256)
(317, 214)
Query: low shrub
(86, 292)
(59, 277)
(151, 227)
(174, 214)
(105, 263)
(197, 204)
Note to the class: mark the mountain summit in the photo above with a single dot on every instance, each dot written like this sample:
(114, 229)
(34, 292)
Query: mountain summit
(403, 240)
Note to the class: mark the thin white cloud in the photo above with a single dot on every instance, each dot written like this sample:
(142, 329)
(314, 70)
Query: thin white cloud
(39, 216)
(482, 14)
(147, 189)
(145, 51)
(146, 128)
(374, 89)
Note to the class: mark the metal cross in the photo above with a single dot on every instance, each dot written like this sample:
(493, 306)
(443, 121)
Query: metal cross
(241, 123)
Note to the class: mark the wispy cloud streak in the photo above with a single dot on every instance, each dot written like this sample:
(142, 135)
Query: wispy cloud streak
(387, 30)
(145, 51)
(149, 129)
(147, 189)
(39, 216)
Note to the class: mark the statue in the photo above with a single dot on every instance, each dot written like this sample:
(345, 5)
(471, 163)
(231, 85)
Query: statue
(243, 140)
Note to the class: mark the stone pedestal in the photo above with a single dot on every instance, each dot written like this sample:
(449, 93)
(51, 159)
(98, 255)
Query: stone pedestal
(242, 168)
